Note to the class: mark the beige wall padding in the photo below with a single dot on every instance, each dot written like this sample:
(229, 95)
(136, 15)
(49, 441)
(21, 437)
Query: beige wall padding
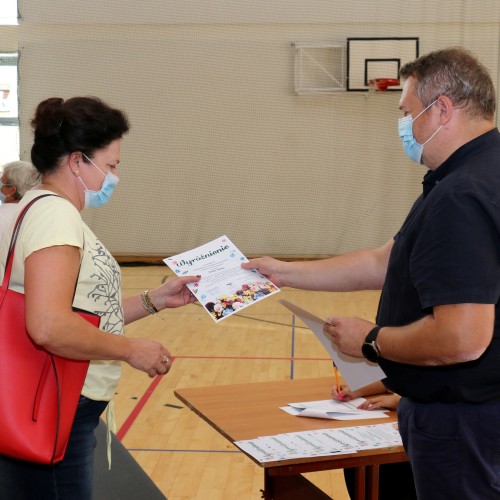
(219, 143)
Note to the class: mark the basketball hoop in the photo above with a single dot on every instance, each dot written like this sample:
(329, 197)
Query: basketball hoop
(382, 84)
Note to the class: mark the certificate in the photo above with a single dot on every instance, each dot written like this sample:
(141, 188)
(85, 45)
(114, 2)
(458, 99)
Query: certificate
(224, 287)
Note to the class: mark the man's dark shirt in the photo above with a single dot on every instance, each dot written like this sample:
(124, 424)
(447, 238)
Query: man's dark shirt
(448, 252)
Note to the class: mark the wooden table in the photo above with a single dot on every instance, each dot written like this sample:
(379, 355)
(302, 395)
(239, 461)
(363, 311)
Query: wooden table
(247, 411)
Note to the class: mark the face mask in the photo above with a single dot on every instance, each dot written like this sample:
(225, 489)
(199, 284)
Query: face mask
(2, 196)
(96, 199)
(413, 148)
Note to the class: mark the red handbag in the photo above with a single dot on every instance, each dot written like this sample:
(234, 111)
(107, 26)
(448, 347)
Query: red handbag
(39, 391)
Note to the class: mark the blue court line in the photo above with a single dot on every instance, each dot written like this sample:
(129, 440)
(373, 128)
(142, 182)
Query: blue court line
(292, 354)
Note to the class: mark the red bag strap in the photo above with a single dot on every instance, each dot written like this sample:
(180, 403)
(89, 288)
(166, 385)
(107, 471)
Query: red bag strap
(10, 254)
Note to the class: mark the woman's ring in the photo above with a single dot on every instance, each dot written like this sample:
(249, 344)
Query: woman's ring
(165, 360)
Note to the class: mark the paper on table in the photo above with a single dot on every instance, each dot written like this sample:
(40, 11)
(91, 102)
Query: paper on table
(332, 405)
(225, 287)
(331, 409)
(357, 372)
(313, 413)
(321, 442)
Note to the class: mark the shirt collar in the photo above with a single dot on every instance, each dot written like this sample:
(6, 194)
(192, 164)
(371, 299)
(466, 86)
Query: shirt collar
(453, 163)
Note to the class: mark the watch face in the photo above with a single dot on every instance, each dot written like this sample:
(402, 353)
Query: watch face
(369, 352)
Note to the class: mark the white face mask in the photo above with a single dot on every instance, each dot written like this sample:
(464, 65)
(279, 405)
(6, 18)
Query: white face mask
(413, 148)
(96, 199)
(2, 196)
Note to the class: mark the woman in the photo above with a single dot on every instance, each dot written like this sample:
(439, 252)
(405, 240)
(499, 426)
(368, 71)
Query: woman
(17, 178)
(59, 264)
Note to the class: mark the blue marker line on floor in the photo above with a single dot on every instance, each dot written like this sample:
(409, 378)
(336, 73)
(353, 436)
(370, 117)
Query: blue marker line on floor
(292, 355)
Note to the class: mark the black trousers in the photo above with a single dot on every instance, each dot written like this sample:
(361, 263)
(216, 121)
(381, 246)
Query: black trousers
(70, 479)
(454, 449)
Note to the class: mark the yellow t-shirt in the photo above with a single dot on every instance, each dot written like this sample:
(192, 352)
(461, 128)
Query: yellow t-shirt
(54, 221)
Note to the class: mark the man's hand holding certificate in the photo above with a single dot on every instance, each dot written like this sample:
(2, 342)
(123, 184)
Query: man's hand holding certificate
(224, 286)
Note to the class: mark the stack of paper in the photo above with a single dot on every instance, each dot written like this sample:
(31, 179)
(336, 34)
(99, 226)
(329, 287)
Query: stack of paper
(321, 442)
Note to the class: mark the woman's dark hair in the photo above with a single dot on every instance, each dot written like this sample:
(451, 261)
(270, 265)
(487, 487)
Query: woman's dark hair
(62, 127)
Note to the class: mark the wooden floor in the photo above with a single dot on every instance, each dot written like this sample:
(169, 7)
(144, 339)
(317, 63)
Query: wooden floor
(182, 454)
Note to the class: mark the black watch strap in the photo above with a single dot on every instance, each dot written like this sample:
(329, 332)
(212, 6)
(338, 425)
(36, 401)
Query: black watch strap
(370, 348)
(372, 334)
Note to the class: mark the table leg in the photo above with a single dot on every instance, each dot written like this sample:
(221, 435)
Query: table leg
(291, 487)
(372, 482)
(359, 483)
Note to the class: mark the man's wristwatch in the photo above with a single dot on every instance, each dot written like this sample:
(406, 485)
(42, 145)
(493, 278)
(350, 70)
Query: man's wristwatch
(370, 348)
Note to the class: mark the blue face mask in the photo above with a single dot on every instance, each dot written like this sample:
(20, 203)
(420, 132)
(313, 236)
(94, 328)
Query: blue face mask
(96, 199)
(413, 148)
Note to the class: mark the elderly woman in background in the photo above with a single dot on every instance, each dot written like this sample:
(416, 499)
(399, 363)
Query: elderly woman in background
(17, 178)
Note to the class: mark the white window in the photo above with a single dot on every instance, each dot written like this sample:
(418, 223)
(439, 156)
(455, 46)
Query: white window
(8, 11)
(9, 117)
(9, 109)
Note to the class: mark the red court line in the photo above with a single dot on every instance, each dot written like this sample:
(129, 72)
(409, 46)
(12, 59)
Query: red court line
(273, 358)
(138, 408)
(154, 384)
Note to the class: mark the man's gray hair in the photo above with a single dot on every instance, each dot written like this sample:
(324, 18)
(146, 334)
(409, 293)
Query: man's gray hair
(457, 74)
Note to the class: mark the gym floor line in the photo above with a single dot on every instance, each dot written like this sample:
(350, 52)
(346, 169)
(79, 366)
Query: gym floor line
(157, 380)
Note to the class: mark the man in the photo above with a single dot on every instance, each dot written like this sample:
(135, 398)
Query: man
(437, 337)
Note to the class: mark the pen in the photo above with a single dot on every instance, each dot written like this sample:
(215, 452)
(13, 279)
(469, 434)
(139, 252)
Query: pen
(337, 378)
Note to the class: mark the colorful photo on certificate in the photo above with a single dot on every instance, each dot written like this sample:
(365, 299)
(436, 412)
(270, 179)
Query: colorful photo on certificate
(249, 293)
